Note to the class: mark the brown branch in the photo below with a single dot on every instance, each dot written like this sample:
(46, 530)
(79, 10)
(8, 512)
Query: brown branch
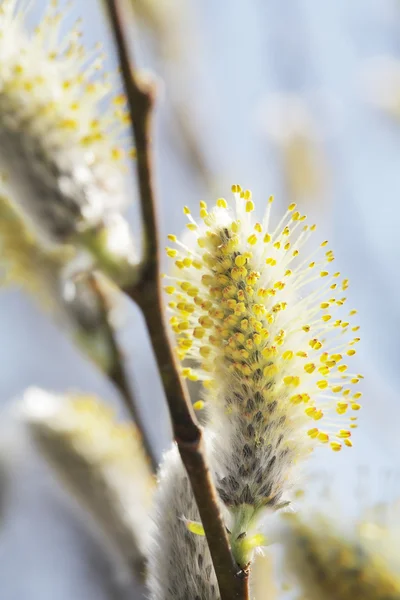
(118, 375)
(147, 293)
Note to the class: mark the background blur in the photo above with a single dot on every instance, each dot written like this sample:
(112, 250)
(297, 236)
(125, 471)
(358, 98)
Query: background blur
(296, 98)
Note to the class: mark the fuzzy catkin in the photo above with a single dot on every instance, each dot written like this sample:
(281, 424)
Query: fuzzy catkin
(101, 462)
(61, 150)
(180, 565)
(41, 272)
(333, 564)
(263, 323)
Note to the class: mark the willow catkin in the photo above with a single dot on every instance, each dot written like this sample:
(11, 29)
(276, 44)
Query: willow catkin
(335, 563)
(60, 136)
(264, 323)
(41, 272)
(270, 349)
(101, 462)
(180, 565)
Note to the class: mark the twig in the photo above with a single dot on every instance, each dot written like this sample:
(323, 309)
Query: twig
(147, 293)
(118, 375)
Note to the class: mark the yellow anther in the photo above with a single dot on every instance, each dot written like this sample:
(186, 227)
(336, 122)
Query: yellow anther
(324, 273)
(267, 238)
(269, 352)
(350, 352)
(325, 243)
(252, 239)
(337, 388)
(309, 368)
(199, 405)
(336, 446)
(270, 371)
(206, 322)
(344, 433)
(292, 206)
(249, 206)
(323, 437)
(205, 351)
(291, 380)
(302, 354)
(322, 384)
(240, 308)
(271, 261)
(313, 432)
(296, 399)
(222, 203)
(296, 216)
(288, 355)
(240, 260)
(169, 289)
(244, 324)
(326, 318)
(258, 227)
(355, 406)
(186, 210)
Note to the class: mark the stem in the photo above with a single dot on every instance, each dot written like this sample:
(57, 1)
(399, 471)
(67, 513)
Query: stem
(147, 293)
(118, 375)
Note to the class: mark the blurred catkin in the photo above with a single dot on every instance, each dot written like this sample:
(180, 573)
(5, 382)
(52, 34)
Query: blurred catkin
(42, 272)
(337, 563)
(180, 565)
(61, 147)
(101, 462)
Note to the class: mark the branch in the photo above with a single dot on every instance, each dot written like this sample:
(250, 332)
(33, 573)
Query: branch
(118, 375)
(147, 294)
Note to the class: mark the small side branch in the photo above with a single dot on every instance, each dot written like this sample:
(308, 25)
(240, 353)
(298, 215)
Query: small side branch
(118, 375)
(147, 294)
